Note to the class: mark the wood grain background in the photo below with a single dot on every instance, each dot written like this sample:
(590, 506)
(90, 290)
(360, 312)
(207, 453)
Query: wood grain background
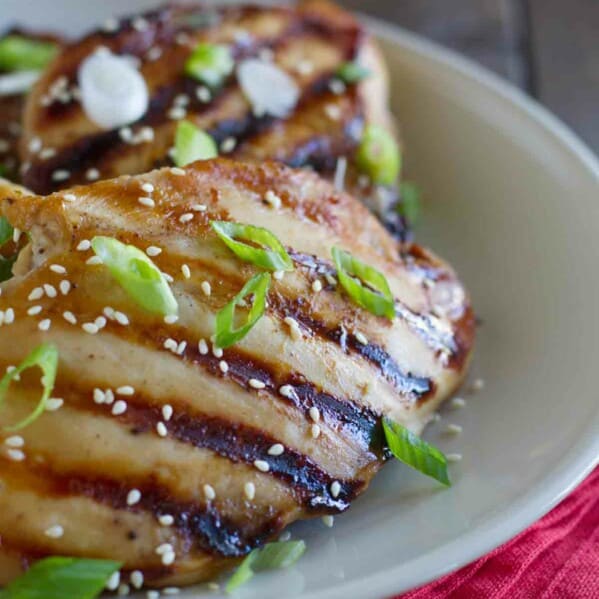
(549, 48)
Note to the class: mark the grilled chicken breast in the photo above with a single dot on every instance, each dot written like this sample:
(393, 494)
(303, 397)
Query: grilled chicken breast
(226, 447)
(309, 42)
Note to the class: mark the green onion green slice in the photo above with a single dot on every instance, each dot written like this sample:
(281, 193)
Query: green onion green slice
(137, 275)
(45, 357)
(416, 453)
(378, 155)
(365, 285)
(6, 230)
(191, 144)
(263, 249)
(226, 332)
(409, 206)
(272, 556)
(352, 72)
(210, 63)
(62, 578)
(18, 53)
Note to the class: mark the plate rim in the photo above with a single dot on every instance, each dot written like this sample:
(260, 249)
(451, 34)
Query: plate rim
(581, 458)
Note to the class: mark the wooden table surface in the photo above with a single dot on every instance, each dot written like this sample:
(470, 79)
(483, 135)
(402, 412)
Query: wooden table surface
(549, 48)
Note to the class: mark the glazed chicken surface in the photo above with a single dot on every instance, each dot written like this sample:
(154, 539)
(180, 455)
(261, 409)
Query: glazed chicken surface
(223, 448)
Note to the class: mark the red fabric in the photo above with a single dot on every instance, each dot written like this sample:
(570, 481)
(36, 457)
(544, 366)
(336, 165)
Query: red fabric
(556, 558)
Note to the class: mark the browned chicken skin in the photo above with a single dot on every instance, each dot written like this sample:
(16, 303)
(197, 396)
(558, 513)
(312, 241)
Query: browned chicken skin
(320, 394)
(310, 42)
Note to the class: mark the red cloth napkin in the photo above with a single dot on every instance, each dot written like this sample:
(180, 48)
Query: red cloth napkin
(556, 558)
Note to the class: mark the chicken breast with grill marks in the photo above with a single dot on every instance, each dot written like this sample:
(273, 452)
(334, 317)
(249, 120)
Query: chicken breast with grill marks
(163, 438)
(309, 42)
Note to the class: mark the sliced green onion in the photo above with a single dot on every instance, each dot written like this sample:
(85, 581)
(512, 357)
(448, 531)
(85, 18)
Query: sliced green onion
(409, 206)
(210, 63)
(6, 230)
(137, 275)
(62, 578)
(18, 53)
(378, 155)
(45, 357)
(272, 556)
(191, 144)
(416, 453)
(6, 265)
(352, 72)
(366, 286)
(271, 254)
(226, 334)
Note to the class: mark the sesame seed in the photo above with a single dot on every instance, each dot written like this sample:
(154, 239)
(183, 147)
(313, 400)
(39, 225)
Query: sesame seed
(36, 294)
(185, 271)
(121, 318)
(168, 558)
(154, 53)
(94, 261)
(477, 385)
(181, 348)
(153, 251)
(61, 270)
(203, 94)
(137, 579)
(44, 325)
(113, 582)
(140, 24)
(185, 218)
(69, 317)
(249, 490)
(317, 286)
(167, 411)
(54, 403)
(65, 287)
(92, 174)
(84, 245)
(16, 455)
(272, 199)
(314, 413)
(47, 153)
(171, 318)
(181, 100)
(147, 187)
(224, 367)
(453, 429)
(176, 113)
(123, 590)
(285, 536)
(69, 197)
(256, 384)
(453, 457)
(145, 201)
(133, 497)
(337, 86)
(335, 489)
(108, 312)
(276, 449)
(315, 431)
(166, 520)
(54, 532)
(9, 316)
(202, 347)
(278, 274)
(164, 548)
(361, 338)
(228, 145)
(16, 235)
(125, 390)
(304, 67)
(90, 327)
(199, 208)
(328, 521)
(109, 397)
(50, 290)
(60, 175)
(161, 429)
(206, 288)
(333, 111)
(152, 594)
(261, 465)
(171, 591)
(331, 280)
(99, 396)
(170, 344)
(34, 310)
(209, 492)
(175, 170)
(294, 327)
(15, 441)
(458, 402)
(119, 407)
(213, 586)
(217, 352)
(287, 391)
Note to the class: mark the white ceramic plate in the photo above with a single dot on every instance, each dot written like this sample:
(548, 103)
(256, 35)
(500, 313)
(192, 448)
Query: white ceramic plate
(512, 200)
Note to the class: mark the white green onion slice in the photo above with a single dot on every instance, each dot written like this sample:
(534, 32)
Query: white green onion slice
(227, 333)
(191, 144)
(62, 578)
(352, 72)
(137, 275)
(210, 63)
(19, 53)
(365, 285)
(263, 249)
(409, 207)
(378, 155)
(45, 357)
(272, 556)
(416, 453)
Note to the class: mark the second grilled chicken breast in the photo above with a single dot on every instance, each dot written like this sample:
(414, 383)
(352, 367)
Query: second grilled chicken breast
(165, 441)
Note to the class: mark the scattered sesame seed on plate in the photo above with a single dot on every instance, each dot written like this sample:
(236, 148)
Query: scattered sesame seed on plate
(164, 548)
(276, 449)
(261, 465)
(209, 492)
(161, 429)
(249, 490)
(314, 413)
(335, 489)
(16, 455)
(50, 290)
(228, 145)
(185, 271)
(121, 318)
(57, 268)
(100, 322)
(315, 431)
(145, 201)
(203, 94)
(453, 457)
(54, 532)
(99, 396)
(170, 344)
(94, 261)
(90, 328)
(167, 412)
(92, 174)
(36, 293)
(181, 348)
(168, 558)
(123, 590)
(202, 347)
(137, 579)
(477, 385)
(337, 86)
(217, 352)
(119, 407)
(153, 251)
(133, 496)
(317, 286)
(113, 582)
(44, 325)
(453, 429)
(177, 113)
(458, 402)
(34, 310)
(175, 170)
(206, 288)
(15, 441)
(54, 403)
(328, 521)
(9, 316)
(185, 218)
(224, 367)
(171, 591)
(84, 245)
(287, 391)
(60, 175)
(199, 208)
(285, 536)
(147, 187)
(65, 287)
(69, 317)
(125, 390)
(256, 384)
(166, 520)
